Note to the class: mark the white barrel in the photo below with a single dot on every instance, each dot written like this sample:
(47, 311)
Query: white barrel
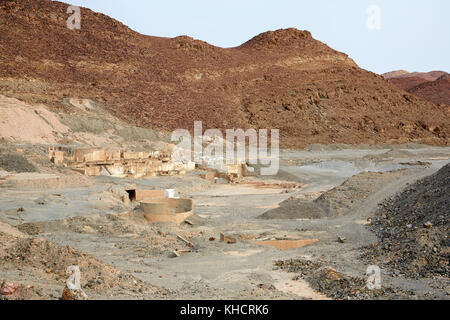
(171, 194)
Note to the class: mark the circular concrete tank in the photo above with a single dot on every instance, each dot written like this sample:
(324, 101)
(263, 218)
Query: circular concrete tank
(167, 210)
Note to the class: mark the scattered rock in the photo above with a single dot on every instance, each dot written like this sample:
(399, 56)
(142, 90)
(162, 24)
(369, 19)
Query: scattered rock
(69, 294)
(342, 239)
(8, 288)
(335, 284)
(413, 229)
(227, 239)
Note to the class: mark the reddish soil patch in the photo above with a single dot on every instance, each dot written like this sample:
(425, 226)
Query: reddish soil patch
(286, 244)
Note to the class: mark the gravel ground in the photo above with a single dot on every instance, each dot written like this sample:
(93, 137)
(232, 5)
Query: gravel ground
(11, 161)
(413, 229)
(43, 263)
(95, 223)
(336, 202)
(335, 284)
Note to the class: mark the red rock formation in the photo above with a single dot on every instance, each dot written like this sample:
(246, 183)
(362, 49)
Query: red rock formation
(437, 91)
(431, 86)
(283, 79)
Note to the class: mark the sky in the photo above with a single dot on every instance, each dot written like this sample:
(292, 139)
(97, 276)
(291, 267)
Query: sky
(379, 35)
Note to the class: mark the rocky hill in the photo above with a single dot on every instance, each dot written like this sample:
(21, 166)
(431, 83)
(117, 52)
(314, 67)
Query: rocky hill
(281, 79)
(432, 86)
(426, 76)
(437, 91)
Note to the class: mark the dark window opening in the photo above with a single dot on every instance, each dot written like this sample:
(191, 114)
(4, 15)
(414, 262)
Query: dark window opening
(132, 194)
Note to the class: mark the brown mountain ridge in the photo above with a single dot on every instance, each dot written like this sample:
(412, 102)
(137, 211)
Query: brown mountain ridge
(437, 91)
(282, 79)
(432, 86)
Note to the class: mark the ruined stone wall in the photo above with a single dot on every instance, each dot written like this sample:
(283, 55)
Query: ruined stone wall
(118, 163)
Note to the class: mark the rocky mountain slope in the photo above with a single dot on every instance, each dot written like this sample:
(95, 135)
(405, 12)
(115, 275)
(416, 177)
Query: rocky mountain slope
(425, 76)
(432, 86)
(283, 79)
(437, 91)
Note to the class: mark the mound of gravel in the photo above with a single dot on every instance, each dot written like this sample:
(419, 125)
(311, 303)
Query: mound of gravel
(413, 229)
(338, 201)
(295, 209)
(335, 284)
(11, 161)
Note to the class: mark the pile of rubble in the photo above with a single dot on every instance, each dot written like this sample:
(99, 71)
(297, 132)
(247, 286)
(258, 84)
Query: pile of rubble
(413, 229)
(335, 284)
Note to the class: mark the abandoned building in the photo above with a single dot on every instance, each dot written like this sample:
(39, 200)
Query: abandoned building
(118, 163)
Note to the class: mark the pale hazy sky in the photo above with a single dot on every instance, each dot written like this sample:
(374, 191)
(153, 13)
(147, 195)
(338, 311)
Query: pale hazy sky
(413, 34)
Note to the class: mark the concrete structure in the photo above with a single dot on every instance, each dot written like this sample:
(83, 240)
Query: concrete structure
(56, 156)
(118, 163)
(230, 172)
(139, 195)
(167, 210)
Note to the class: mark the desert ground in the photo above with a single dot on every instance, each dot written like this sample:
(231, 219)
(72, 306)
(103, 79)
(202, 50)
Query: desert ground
(302, 234)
